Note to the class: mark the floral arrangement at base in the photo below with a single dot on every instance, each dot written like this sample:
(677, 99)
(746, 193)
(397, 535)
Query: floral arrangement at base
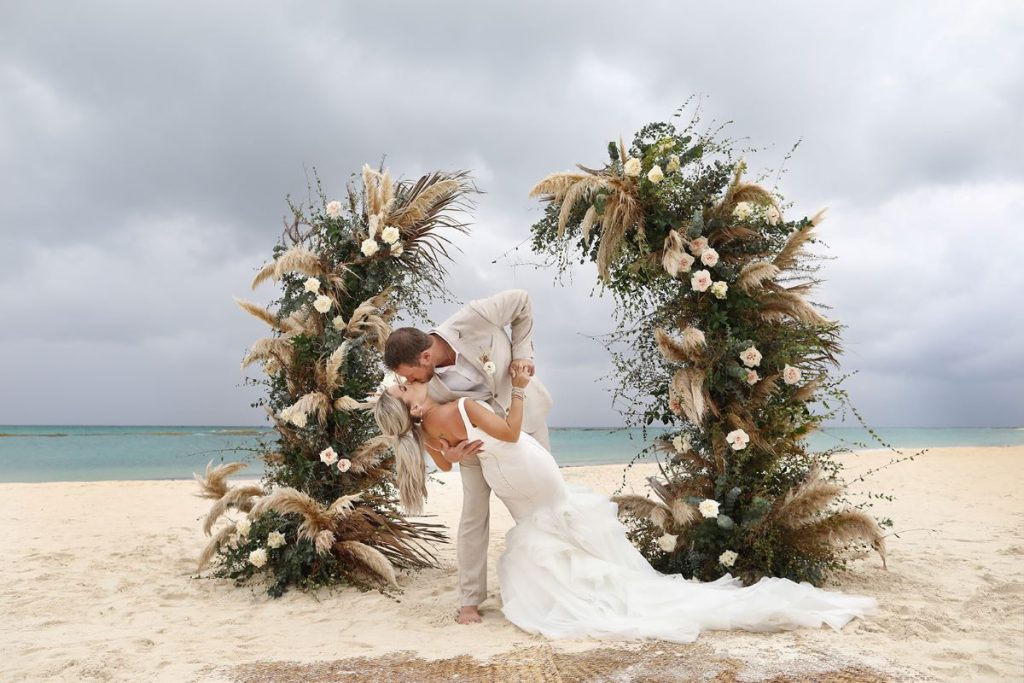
(326, 510)
(716, 338)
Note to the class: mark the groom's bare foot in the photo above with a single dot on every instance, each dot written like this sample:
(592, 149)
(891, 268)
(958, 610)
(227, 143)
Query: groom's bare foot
(469, 615)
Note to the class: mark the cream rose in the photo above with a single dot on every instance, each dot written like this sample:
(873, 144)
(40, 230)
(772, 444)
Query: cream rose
(369, 247)
(752, 377)
(242, 527)
(698, 245)
(728, 558)
(738, 439)
(344, 465)
(275, 539)
(790, 375)
(655, 175)
(258, 558)
(719, 289)
(681, 442)
(709, 257)
(772, 215)
(708, 508)
(742, 210)
(312, 285)
(631, 168)
(334, 209)
(673, 163)
(700, 281)
(390, 234)
(751, 357)
(322, 303)
(490, 368)
(328, 456)
(338, 322)
(667, 542)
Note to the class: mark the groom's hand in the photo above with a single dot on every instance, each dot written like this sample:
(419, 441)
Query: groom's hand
(461, 450)
(523, 365)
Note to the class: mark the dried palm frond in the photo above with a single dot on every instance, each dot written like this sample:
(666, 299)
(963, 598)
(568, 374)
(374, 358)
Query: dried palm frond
(775, 305)
(292, 501)
(369, 454)
(215, 543)
(419, 206)
(324, 541)
(806, 502)
(263, 314)
(763, 390)
(555, 186)
(839, 530)
(239, 497)
(754, 274)
(369, 557)
(214, 484)
(590, 219)
(733, 233)
(687, 388)
(344, 505)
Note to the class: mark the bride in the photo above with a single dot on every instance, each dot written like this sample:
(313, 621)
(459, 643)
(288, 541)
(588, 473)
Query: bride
(568, 569)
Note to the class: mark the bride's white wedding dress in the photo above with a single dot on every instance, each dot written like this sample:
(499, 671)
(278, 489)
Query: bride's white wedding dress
(569, 570)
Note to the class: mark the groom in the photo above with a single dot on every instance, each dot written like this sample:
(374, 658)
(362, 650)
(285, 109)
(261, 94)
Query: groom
(470, 354)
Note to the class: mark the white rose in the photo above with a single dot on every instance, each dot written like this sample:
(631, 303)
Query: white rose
(631, 168)
(698, 245)
(322, 303)
(709, 257)
(390, 234)
(667, 542)
(312, 285)
(338, 322)
(708, 508)
(738, 439)
(275, 539)
(258, 558)
(344, 465)
(685, 262)
(700, 281)
(681, 442)
(673, 163)
(334, 209)
(328, 456)
(397, 249)
(728, 558)
(298, 418)
(772, 215)
(369, 247)
(751, 357)
(790, 375)
(391, 378)
(490, 368)
(243, 526)
(752, 377)
(655, 175)
(719, 289)
(742, 210)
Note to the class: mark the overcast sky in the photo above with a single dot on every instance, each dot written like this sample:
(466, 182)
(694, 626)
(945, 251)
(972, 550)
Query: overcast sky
(146, 150)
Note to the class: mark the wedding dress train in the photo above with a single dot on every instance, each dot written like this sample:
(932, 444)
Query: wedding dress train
(568, 569)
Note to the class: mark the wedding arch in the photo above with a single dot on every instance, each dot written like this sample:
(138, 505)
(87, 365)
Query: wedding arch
(716, 339)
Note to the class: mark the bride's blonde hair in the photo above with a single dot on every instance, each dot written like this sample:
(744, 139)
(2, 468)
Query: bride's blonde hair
(394, 420)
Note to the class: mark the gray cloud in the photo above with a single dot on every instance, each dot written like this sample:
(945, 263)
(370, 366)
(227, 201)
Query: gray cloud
(146, 151)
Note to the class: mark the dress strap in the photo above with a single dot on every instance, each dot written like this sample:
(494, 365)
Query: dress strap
(465, 418)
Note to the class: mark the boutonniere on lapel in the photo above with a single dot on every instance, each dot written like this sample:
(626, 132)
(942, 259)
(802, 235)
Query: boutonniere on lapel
(489, 367)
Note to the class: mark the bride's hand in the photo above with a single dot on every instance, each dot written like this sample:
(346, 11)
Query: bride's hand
(520, 378)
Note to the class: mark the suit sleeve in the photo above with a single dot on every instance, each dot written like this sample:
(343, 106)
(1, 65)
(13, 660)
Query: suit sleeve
(510, 308)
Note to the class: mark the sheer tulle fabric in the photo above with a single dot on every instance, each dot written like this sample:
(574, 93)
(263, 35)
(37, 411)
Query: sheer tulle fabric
(568, 569)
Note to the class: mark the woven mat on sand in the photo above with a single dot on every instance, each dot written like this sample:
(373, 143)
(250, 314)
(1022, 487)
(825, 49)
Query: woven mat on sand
(651, 663)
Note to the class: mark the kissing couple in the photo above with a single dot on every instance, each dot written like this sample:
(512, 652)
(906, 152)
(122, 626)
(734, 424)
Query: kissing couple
(471, 397)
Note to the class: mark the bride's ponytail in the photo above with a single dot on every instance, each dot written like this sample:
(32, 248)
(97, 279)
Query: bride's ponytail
(394, 420)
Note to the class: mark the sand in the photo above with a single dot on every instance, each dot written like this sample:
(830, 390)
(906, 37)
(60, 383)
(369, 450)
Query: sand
(98, 582)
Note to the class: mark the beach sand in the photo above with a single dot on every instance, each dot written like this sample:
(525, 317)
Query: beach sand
(98, 583)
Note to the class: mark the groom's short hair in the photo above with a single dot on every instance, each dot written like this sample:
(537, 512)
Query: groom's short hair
(404, 347)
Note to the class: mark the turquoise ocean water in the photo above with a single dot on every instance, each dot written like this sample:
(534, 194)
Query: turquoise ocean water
(54, 453)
